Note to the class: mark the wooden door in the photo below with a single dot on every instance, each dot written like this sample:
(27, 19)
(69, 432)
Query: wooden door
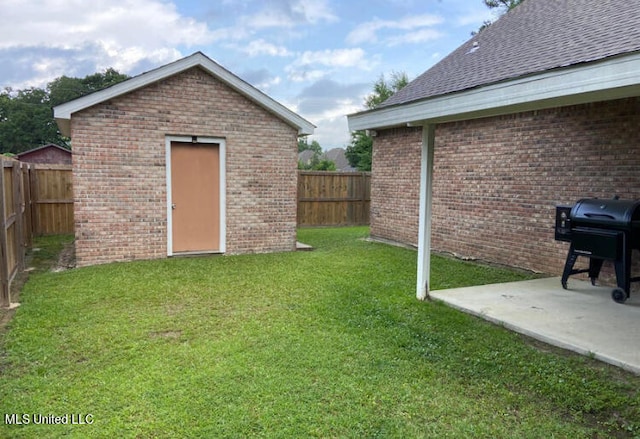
(195, 197)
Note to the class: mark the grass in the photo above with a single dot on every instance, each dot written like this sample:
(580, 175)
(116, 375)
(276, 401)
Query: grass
(329, 343)
(42, 257)
(45, 251)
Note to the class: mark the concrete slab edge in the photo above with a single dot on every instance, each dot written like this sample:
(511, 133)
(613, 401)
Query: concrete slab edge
(543, 338)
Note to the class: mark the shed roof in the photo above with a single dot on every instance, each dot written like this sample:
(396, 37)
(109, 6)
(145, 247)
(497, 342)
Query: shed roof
(539, 39)
(43, 147)
(63, 112)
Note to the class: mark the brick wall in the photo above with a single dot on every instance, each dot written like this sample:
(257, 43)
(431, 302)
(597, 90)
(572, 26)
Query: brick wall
(395, 185)
(497, 180)
(120, 169)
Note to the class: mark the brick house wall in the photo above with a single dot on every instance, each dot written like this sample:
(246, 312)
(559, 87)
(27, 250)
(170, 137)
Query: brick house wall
(119, 169)
(395, 185)
(497, 180)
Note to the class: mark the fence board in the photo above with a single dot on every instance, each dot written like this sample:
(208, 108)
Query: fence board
(328, 198)
(27, 207)
(33, 199)
(5, 297)
(11, 235)
(53, 199)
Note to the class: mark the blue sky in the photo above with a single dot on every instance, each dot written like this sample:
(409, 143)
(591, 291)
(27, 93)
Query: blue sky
(320, 58)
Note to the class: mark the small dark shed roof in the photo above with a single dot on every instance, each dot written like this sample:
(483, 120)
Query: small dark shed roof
(49, 153)
(536, 36)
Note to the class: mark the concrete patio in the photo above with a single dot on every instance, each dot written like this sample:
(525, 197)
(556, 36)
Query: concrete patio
(583, 318)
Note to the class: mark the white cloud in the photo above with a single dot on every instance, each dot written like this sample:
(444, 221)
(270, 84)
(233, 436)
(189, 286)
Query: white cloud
(368, 32)
(416, 37)
(267, 84)
(121, 33)
(308, 65)
(304, 74)
(125, 22)
(332, 57)
(326, 103)
(332, 132)
(476, 16)
(291, 13)
(262, 47)
(316, 11)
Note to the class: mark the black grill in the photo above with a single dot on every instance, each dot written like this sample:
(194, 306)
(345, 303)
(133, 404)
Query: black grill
(601, 230)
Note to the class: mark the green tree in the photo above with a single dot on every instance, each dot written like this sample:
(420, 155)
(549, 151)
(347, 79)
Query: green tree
(504, 5)
(64, 88)
(317, 162)
(359, 151)
(26, 120)
(383, 89)
(325, 165)
(26, 116)
(304, 145)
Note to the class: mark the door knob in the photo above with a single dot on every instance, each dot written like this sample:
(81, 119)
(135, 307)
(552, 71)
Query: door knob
(173, 206)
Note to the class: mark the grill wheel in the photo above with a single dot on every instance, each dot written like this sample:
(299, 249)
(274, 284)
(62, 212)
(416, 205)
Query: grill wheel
(618, 295)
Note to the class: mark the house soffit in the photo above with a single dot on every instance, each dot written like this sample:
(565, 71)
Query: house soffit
(613, 78)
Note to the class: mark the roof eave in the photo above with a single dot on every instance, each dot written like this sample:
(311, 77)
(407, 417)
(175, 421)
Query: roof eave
(612, 78)
(39, 148)
(62, 113)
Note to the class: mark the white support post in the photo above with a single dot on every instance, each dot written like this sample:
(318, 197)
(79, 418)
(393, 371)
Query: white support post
(424, 228)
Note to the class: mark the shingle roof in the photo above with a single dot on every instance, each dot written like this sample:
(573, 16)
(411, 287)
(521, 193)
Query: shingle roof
(48, 145)
(337, 156)
(537, 36)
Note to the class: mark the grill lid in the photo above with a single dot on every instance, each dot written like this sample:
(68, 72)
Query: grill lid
(614, 213)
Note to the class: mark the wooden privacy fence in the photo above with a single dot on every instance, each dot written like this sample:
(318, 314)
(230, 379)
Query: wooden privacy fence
(327, 198)
(34, 200)
(52, 199)
(15, 229)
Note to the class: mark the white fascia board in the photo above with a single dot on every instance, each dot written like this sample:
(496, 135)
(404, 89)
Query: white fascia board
(62, 113)
(613, 78)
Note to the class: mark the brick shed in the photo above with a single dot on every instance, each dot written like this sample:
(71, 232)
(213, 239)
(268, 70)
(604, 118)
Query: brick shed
(50, 154)
(184, 159)
(541, 108)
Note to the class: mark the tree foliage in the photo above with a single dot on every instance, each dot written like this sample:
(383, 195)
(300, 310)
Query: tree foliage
(383, 89)
(359, 151)
(26, 116)
(64, 88)
(317, 162)
(26, 120)
(304, 145)
(504, 5)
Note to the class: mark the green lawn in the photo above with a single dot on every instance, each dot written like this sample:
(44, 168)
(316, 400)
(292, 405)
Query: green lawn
(329, 343)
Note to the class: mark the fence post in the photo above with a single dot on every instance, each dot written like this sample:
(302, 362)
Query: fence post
(16, 174)
(5, 294)
(35, 218)
(27, 225)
